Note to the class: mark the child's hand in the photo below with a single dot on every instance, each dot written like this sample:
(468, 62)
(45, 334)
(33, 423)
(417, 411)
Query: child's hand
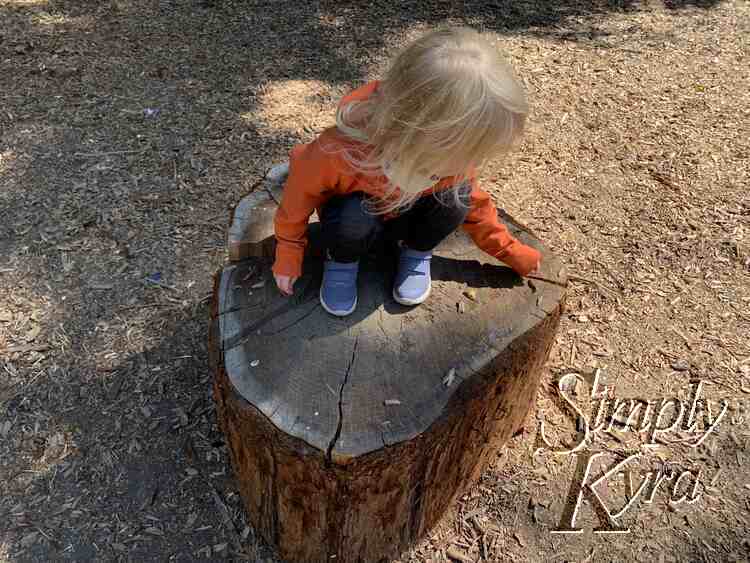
(285, 283)
(524, 260)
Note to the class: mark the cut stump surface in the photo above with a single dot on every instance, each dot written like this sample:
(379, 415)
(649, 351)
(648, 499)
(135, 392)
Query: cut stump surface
(351, 436)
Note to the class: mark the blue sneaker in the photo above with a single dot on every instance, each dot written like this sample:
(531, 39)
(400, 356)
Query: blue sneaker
(338, 292)
(412, 284)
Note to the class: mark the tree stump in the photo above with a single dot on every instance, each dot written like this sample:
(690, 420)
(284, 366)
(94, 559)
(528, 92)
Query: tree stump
(350, 437)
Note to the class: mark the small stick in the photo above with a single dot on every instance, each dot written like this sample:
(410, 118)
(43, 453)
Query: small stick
(576, 278)
(458, 555)
(609, 272)
(540, 278)
(226, 517)
(25, 348)
(97, 154)
(143, 306)
(160, 284)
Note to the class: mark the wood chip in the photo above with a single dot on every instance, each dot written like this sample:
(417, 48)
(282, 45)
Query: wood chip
(478, 525)
(450, 377)
(23, 348)
(568, 383)
(33, 333)
(29, 539)
(458, 555)
(192, 518)
(681, 365)
(226, 518)
(536, 512)
(220, 547)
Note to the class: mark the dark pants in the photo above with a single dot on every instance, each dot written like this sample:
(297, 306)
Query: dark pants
(349, 229)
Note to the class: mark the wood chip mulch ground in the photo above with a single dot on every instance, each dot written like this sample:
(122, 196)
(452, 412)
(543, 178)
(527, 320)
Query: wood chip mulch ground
(128, 128)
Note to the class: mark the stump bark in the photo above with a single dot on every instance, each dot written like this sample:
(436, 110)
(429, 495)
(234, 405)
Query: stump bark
(350, 437)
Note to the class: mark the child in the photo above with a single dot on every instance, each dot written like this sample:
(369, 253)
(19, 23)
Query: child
(402, 159)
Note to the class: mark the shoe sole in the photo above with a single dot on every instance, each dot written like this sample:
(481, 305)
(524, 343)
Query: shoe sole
(336, 313)
(417, 301)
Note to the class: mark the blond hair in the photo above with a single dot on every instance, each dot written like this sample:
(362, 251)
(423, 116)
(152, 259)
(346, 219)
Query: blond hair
(448, 103)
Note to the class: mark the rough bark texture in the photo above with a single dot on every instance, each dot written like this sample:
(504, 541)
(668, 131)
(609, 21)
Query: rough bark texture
(375, 506)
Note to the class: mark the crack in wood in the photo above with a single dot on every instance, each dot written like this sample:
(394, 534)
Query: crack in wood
(290, 325)
(235, 309)
(270, 193)
(497, 351)
(332, 444)
(293, 302)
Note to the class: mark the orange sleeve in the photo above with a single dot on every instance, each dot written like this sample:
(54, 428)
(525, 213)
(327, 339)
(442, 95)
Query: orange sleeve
(312, 176)
(493, 237)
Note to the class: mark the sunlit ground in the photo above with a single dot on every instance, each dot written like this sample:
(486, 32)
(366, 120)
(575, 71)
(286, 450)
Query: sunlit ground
(24, 3)
(284, 102)
(6, 160)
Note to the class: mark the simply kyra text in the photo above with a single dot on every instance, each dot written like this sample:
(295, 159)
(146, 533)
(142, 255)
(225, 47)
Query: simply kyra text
(653, 419)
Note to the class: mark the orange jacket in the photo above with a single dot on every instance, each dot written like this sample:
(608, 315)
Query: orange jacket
(317, 172)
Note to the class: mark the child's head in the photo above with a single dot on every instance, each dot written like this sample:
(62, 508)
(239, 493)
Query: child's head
(448, 103)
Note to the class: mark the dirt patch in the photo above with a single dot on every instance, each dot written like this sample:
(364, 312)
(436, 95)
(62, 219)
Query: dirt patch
(127, 129)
